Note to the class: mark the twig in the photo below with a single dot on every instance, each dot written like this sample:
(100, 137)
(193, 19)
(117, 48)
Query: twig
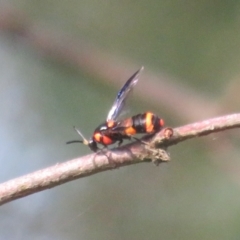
(126, 155)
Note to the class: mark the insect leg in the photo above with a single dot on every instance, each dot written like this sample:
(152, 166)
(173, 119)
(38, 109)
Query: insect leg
(120, 142)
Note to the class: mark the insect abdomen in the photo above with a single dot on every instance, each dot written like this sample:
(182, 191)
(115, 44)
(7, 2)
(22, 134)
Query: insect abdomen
(147, 123)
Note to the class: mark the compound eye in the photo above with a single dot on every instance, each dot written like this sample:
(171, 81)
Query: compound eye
(93, 145)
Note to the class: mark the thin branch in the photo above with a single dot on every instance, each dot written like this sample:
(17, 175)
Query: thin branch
(154, 149)
(203, 128)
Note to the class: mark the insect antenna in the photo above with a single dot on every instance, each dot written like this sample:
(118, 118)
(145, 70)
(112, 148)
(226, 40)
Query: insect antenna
(74, 141)
(84, 141)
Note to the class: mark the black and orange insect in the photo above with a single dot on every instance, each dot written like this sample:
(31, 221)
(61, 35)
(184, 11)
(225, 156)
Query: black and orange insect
(114, 130)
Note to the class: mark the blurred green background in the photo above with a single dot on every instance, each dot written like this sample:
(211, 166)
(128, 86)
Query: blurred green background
(196, 195)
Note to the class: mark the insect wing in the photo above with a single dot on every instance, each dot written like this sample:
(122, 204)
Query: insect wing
(122, 125)
(122, 96)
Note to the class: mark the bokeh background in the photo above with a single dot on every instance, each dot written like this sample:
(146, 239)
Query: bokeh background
(62, 63)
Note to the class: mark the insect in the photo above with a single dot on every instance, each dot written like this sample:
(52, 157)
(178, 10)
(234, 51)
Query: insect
(114, 130)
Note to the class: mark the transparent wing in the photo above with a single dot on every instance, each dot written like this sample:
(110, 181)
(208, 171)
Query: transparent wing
(122, 96)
